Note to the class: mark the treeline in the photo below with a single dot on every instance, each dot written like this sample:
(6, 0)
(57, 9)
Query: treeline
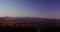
(13, 28)
(17, 29)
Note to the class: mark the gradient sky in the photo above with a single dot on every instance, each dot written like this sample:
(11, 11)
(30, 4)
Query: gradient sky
(32, 8)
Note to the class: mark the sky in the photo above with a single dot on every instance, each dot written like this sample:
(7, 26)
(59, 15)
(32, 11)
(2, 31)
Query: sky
(31, 8)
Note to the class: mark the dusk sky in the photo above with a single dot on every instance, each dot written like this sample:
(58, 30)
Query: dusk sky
(32, 8)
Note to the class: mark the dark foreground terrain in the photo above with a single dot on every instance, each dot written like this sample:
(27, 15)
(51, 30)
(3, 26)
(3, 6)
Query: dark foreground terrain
(28, 29)
(30, 25)
(17, 29)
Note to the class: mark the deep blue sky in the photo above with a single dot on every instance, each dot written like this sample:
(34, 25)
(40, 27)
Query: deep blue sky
(32, 8)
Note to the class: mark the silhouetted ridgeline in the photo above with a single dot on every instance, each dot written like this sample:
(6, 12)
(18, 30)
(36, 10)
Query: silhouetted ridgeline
(27, 28)
(14, 28)
(29, 25)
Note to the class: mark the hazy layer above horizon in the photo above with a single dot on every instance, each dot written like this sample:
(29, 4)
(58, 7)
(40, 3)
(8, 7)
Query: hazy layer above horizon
(31, 8)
